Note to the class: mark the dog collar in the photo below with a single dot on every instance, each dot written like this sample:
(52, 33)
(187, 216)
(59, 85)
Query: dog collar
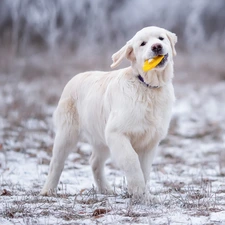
(143, 81)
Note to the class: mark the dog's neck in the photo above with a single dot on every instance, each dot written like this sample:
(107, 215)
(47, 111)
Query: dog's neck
(146, 84)
(155, 78)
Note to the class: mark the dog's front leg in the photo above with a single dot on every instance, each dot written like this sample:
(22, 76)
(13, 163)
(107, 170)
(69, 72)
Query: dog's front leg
(126, 158)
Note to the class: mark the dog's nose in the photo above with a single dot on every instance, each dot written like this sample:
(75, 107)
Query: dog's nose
(156, 48)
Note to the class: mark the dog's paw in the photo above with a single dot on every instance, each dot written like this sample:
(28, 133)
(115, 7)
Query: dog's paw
(136, 189)
(137, 193)
(138, 197)
(47, 192)
(106, 191)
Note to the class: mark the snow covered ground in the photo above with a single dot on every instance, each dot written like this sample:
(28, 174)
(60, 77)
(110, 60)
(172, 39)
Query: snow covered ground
(188, 177)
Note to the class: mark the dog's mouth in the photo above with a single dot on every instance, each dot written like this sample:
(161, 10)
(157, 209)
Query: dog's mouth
(157, 61)
(163, 61)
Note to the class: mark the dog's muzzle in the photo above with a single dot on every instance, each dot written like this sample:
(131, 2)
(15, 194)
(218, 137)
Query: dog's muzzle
(164, 60)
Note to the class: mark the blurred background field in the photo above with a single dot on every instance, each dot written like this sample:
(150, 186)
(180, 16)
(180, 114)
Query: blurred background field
(48, 42)
(45, 43)
(91, 31)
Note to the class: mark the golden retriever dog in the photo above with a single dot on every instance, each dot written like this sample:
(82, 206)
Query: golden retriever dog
(123, 114)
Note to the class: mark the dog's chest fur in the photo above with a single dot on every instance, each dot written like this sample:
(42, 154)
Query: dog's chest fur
(150, 117)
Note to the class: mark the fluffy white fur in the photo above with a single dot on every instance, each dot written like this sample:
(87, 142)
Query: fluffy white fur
(118, 114)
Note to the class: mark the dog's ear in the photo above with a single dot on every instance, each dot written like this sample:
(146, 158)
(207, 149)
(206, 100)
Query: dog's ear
(173, 40)
(126, 51)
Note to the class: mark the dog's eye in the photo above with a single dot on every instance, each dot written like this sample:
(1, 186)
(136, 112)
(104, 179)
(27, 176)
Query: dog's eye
(161, 38)
(143, 43)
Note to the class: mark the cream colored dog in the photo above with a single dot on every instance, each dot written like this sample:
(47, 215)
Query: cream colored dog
(122, 113)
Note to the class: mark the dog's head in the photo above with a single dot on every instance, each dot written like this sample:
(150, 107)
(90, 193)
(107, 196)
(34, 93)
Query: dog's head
(147, 44)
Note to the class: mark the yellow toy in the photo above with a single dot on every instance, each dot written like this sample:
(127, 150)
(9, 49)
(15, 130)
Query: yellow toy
(151, 63)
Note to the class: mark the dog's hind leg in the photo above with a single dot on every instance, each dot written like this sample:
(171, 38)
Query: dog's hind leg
(99, 155)
(146, 158)
(67, 131)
